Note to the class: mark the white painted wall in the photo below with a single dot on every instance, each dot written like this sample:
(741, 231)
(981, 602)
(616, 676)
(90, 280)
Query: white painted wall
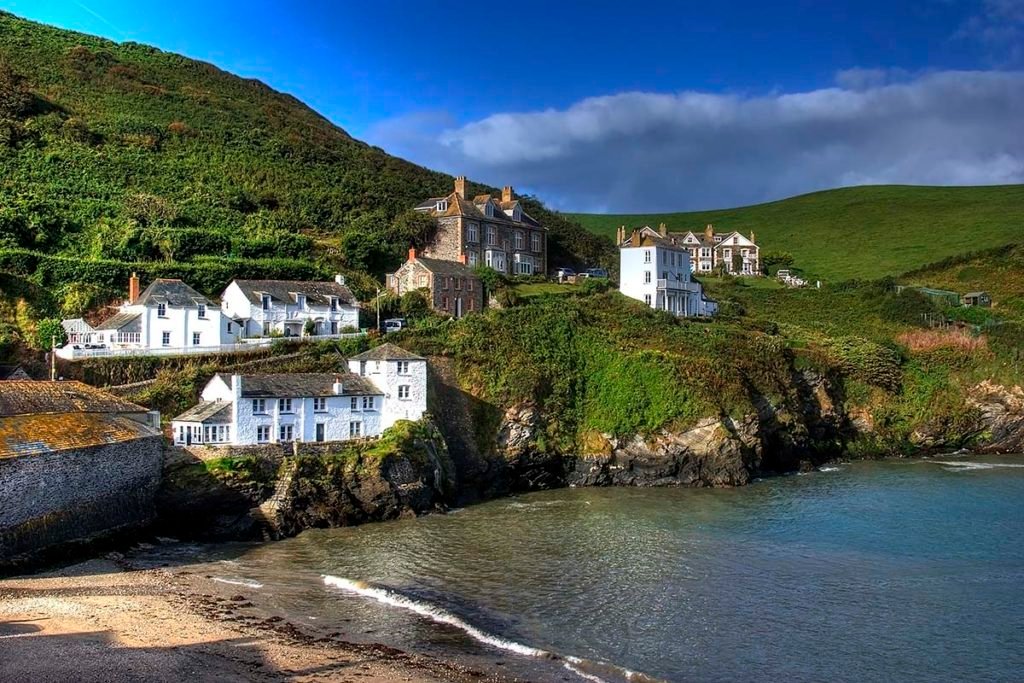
(660, 262)
(235, 304)
(181, 322)
(386, 377)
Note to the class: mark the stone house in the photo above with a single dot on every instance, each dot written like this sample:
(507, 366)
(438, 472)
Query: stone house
(76, 465)
(266, 307)
(655, 268)
(452, 287)
(167, 315)
(382, 385)
(487, 231)
(736, 254)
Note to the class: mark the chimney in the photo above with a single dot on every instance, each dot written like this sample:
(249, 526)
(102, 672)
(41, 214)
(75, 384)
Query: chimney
(752, 237)
(506, 193)
(709, 231)
(621, 233)
(635, 237)
(662, 230)
(460, 186)
(463, 259)
(412, 253)
(133, 288)
(338, 385)
(339, 278)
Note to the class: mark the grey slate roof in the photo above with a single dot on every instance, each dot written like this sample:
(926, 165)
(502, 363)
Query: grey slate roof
(387, 351)
(442, 267)
(284, 290)
(118, 320)
(171, 292)
(25, 397)
(13, 372)
(304, 385)
(210, 412)
(457, 206)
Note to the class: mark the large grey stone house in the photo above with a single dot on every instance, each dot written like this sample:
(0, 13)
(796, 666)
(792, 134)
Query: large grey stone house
(486, 230)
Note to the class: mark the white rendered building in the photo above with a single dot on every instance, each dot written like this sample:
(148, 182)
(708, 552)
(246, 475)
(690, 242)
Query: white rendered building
(384, 385)
(261, 308)
(167, 315)
(655, 268)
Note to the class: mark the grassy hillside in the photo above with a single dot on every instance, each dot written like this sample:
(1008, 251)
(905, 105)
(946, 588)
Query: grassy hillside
(120, 157)
(861, 232)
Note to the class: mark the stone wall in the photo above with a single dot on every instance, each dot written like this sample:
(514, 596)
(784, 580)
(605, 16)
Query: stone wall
(53, 500)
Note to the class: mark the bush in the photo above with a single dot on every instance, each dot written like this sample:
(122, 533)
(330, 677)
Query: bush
(508, 297)
(415, 304)
(49, 333)
(594, 285)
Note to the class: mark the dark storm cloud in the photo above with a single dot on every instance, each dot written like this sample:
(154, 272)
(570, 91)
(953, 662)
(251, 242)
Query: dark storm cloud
(655, 152)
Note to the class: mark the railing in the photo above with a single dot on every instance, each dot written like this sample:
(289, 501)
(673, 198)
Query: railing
(71, 353)
(680, 285)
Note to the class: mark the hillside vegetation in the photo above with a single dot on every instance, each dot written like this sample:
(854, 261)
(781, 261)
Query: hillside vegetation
(860, 232)
(121, 157)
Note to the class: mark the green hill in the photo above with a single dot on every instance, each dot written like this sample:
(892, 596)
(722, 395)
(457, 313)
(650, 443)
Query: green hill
(860, 232)
(119, 157)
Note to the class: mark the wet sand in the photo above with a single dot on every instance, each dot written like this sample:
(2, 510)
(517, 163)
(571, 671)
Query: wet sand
(102, 621)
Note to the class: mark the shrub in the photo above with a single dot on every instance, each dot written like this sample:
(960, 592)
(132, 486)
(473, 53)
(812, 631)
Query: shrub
(49, 332)
(594, 285)
(415, 304)
(508, 297)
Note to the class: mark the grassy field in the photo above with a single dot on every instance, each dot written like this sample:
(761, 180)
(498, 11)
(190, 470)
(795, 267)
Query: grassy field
(861, 232)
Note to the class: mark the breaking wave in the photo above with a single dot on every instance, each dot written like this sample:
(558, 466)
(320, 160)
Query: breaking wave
(586, 669)
(248, 583)
(966, 466)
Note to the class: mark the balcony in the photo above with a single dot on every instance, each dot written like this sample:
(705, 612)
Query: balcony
(677, 285)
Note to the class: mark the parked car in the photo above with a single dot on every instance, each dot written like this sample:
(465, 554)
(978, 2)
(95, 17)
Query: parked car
(394, 325)
(596, 272)
(563, 274)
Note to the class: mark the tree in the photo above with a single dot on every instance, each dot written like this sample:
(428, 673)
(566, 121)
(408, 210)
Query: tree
(49, 331)
(415, 304)
(771, 261)
(413, 228)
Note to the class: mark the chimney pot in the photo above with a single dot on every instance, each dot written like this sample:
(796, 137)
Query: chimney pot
(662, 229)
(412, 253)
(460, 186)
(339, 278)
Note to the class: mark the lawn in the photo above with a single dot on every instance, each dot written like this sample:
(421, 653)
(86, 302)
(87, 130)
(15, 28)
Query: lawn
(860, 232)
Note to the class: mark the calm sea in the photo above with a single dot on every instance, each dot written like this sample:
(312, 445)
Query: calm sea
(872, 571)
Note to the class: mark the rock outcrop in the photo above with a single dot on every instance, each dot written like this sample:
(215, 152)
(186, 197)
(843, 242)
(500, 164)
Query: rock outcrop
(1001, 414)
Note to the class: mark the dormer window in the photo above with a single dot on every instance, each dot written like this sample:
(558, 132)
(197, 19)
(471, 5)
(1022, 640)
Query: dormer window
(489, 210)
(517, 214)
(334, 303)
(442, 205)
(265, 299)
(161, 310)
(300, 300)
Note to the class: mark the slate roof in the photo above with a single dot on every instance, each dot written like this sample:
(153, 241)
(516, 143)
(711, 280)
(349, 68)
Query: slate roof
(284, 290)
(304, 385)
(442, 267)
(48, 432)
(457, 206)
(13, 372)
(387, 351)
(975, 294)
(171, 292)
(25, 397)
(118, 320)
(210, 412)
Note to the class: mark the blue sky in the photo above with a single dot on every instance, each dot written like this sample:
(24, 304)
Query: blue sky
(623, 106)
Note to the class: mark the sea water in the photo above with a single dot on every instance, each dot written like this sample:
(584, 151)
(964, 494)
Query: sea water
(909, 570)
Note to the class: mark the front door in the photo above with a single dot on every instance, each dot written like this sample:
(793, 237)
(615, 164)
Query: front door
(320, 431)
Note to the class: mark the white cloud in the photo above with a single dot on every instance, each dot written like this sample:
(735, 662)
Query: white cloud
(654, 152)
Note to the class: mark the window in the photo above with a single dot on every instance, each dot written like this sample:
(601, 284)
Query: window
(473, 259)
(520, 240)
(744, 252)
(441, 205)
(263, 434)
(362, 368)
(354, 403)
(492, 235)
(705, 252)
(727, 253)
(265, 299)
(647, 255)
(334, 303)
(284, 405)
(320, 405)
(472, 233)
(229, 327)
(664, 275)
(300, 301)
(161, 310)
(165, 338)
(444, 302)
(647, 299)
(355, 429)
(195, 339)
(267, 329)
(215, 434)
(321, 430)
(489, 210)
(285, 433)
(403, 391)
(535, 241)
(334, 327)
(368, 402)
(403, 367)
(705, 266)
(444, 282)
(259, 406)
(735, 240)
(202, 311)
(458, 283)
(647, 277)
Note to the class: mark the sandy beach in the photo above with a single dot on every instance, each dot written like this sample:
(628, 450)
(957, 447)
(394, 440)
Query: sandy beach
(102, 621)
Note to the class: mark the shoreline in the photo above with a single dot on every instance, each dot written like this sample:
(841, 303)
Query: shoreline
(103, 619)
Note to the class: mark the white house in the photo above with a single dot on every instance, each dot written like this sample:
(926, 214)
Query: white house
(655, 268)
(266, 307)
(243, 410)
(167, 315)
(78, 331)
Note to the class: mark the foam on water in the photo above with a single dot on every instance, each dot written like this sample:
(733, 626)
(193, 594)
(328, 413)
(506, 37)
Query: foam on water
(966, 466)
(248, 583)
(829, 469)
(581, 667)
